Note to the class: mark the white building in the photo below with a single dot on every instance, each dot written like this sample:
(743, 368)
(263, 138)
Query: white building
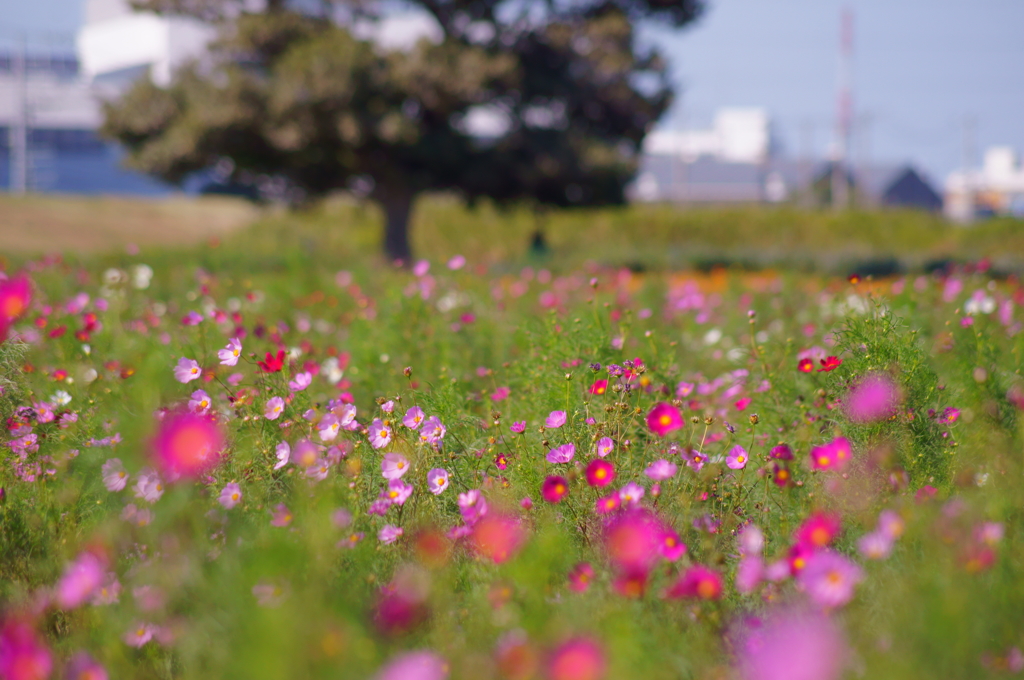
(737, 135)
(116, 44)
(997, 188)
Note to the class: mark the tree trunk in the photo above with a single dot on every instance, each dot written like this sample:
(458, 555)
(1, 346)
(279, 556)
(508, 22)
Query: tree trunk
(397, 205)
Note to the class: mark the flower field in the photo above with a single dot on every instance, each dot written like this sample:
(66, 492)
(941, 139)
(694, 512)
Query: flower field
(230, 469)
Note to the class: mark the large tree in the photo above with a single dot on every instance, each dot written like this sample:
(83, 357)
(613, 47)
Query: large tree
(300, 96)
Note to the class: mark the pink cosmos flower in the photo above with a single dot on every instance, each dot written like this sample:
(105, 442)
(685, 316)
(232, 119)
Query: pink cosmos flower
(347, 417)
(394, 465)
(737, 458)
(751, 540)
(199, 402)
(829, 578)
(555, 419)
(149, 486)
(269, 594)
(604, 446)
(600, 473)
(792, 645)
(562, 454)
(875, 546)
(437, 480)
(114, 476)
(282, 516)
(109, 592)
(554, 489)
(432, 431)
(187, 444)
(328, 427)
(80, 581)
(389, 534)
(418, 665)
(283, 452)
(301, 381)
(577, 659)
(891, 524)
(818, 530)
(139, 634)
(230, 495)
(749, 573)
(23, 655)
(871, 399)
(187, 370)
(696, 460)
(630, 494)
(498, 537)
(230, 354)
(501, 394)
(518, 427)
(660, 470)
(380, 434)
(84, 667)
(664, 418)
(413, 418)
(398, 492)
(275, 407)
(698, 582)
(580, 577)
(472, 506)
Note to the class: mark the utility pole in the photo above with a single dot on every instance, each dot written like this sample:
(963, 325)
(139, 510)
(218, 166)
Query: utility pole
(19, 130)
(844, 107)
(970, 130)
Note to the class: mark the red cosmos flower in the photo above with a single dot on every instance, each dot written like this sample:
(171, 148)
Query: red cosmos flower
(554, 489)
(599, 387)
(498, 538)
(805, 366)
(664, 418)
(273, 364)
(577, 659)
(699, 582)
(830, 363)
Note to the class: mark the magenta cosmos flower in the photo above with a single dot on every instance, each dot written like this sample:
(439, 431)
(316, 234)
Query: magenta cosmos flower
(632, 541)
(419, 665)
(555, 419)
(84, 667)
(114, 476)
(23, 655)
(873, 398)
(230, 354)
(554, 489)
(187, 370)
(664, 418)
(698, 582)
(577, 659)
(829, 578)
(437, 480)
(737, 458)
(600, 473)
(230, 496)
(472, 506)
(394, 465)
(833, 456)
(518, 427)
(580, 577)
(561, 454)
(187, 444)
(818, 530)
(380, 434)
(81, 580)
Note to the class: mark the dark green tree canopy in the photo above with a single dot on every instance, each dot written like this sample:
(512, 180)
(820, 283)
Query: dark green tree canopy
(294, 93)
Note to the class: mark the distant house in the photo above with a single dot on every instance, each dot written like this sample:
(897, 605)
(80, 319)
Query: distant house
(996, 189)
(896, 186)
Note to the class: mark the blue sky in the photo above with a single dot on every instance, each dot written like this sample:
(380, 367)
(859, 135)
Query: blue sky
(921, 67)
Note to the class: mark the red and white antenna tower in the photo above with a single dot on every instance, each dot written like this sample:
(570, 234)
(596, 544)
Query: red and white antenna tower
(844, 113)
